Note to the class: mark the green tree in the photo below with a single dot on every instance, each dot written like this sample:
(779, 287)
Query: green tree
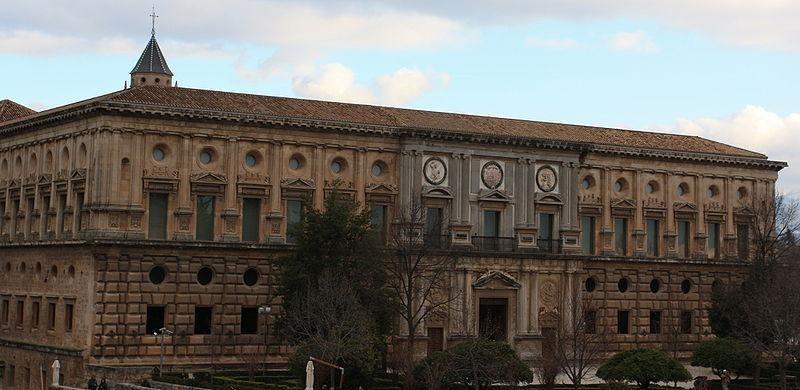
(476, 363)
(723, 354)
(643, 366)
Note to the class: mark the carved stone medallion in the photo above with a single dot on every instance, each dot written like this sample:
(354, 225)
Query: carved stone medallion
(435, 170)
(492, 175)
(548, 292)
(546, 178)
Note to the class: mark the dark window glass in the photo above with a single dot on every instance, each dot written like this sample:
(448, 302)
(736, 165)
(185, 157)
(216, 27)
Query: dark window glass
(157, 222)
(157, 274)
(29, 218)
(686, 286)
(491, 223)
(5, 311)
(713, 241)
(51, 315)
(623, 318)
(249, 320)
(204, 275)
(587, 235)
(205, 218)
(62, 205)
(69, 310)
(621, 236)
(622, 285)
(250, 277)
(743, 241)
(45, 213)
(686, 322)
(655, 285)
(20, 312)
(251, 218)
(591, 284)
(435, 340)
(652, 237)
(155, 319)
(294, 214)
(79, 211)
(683, 239)
(546, 226)
(433, 221)
(655, 322)
(202, 320)
(590, 321)
(378, 220)
(35, 314)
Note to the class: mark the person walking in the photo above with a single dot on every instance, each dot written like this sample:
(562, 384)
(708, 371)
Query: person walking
(92, 384)
(103, 385)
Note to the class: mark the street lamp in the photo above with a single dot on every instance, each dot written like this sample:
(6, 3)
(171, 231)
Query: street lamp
(163, 332)
(264, 311)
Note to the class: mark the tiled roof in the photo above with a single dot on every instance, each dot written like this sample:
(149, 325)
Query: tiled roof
(11, 110)
(152, 60)
(228, 102)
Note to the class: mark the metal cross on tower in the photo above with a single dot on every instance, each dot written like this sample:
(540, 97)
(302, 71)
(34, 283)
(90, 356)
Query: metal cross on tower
(153, 16)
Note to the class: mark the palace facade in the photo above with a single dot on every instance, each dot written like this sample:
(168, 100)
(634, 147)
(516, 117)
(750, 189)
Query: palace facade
(163, 207)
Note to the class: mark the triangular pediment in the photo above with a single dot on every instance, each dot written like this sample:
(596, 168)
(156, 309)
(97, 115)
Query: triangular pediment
(381, 188)
(496, 279)
(437, 192)
(45, 178)
(297, 183)
(623, 203)
(209, 177)
(549, 199)
(78, 174)
(495, 196)
(684, 206)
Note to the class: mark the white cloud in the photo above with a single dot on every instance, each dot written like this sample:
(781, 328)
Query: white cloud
(337, 82)
(631, 41)
(753, 128)
(551, 43)
(37, 43)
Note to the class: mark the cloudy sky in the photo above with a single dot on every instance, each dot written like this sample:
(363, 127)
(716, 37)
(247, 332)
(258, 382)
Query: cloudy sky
(722, 69)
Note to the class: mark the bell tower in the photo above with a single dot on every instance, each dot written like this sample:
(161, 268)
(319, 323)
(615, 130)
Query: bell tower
(151, 69)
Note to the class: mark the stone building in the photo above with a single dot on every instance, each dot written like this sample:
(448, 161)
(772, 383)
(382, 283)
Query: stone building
(164, 207)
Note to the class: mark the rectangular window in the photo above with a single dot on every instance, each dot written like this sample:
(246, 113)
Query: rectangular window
(621, 236)
(435, 340)
(5, 311)
(623, 319)
(294, 215)
(45, 213)
(587, 235)
(2, 218)
(205, 218)
(35, 314)
(51, 316)
(491, 223)
(655, 322)
(546, 226)
(713, 241)
(155, 319)
(79, 210)
(69, 310)
(12, 374)
(157, 223)
(433, 221)
(29, 218)
(653, 237)
(686, 322)
(249, 320)
(683, 239)
(62, 206)
(251, 218)
(20, 312)
(743, 241)
(378, 221)
(590, 321)
(202, 320)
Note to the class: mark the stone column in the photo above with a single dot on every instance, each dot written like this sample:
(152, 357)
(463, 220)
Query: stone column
(230, 215)
(670, 234)
(638, 216)
(606, 231)
(318, 171)
(360, 173)
(275, 215)
(701, 235)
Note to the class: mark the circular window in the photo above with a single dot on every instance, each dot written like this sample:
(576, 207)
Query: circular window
(587, 182)
(655, 285)
(377, 170)
(250, 277)
(741, 192)
(71, 271)
(205, 275)
(620, 185)
(686, 286)
(590, 284)
(295, 163)
(142, 79)
(158, 80)
(651, 187)
(337, 166)
(713, 191)
(206, 156)
(159, 154)
(157, 274)
(683, 189)
(251, 159)
(54, 271)
(622, 285)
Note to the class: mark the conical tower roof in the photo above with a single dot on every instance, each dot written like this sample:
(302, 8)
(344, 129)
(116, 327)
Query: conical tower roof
(152, 60)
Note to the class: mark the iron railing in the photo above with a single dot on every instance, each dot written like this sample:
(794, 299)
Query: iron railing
(494, 244)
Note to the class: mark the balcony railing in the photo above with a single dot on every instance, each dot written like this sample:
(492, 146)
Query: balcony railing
(432, 241)
(548, 246)
(494, 244)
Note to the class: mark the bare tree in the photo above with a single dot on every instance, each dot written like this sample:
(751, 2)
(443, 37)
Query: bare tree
(580, 341)
(775, 222)
(418, 270)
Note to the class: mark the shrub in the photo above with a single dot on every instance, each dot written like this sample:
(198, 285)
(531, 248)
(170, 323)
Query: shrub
(477, 363)
(723, 354)
(643, 366)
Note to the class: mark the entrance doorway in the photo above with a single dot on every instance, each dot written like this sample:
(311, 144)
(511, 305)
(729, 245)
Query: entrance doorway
(493, 319)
